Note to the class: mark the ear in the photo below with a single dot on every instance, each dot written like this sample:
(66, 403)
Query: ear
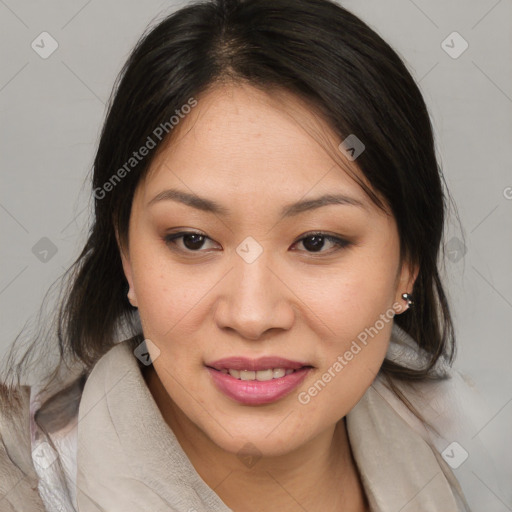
(405, 283)
(127, 268)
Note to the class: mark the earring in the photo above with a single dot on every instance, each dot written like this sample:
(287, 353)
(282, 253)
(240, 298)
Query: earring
(408, 298)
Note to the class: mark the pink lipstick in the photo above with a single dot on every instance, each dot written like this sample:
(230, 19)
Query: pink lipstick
(257, 381)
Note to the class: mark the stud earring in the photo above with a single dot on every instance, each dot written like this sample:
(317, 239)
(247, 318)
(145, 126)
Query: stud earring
(408, 298)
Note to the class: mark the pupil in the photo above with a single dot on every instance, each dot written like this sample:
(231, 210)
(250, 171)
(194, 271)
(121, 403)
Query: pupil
(193, 241)
(318, 242)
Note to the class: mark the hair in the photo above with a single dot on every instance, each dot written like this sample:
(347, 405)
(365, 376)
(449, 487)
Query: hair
(313, 49)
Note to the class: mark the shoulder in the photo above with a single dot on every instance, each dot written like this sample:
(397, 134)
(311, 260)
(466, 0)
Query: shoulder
(454, 410)
(37, 432)
(18, 478)
(447, 400)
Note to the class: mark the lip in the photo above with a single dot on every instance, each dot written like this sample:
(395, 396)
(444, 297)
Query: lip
(262, 363)
(254, 392)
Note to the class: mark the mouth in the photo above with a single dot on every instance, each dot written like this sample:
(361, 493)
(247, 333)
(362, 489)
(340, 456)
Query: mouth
(260, 375)
(257, 381)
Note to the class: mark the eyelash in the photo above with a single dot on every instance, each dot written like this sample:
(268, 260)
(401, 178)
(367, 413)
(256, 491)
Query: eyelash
(339, 243)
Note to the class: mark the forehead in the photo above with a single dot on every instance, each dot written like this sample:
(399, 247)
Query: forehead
(242, 142)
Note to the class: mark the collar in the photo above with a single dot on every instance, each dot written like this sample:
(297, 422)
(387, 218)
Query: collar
(399, 470)
(129, 458)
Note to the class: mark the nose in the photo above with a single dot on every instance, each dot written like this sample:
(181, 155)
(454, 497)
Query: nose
(254, 300)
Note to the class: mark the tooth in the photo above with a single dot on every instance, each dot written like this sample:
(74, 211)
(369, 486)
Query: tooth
(263, 375)
(279, 372)
(260, 375)
(224, 370)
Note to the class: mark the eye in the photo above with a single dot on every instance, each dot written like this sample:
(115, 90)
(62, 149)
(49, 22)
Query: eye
(315, 242)
(190, 241)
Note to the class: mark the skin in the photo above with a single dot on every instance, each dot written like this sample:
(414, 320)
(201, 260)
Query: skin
(243, 149)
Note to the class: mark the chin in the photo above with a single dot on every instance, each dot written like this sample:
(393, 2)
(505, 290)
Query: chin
(265, 439)
(256, 447)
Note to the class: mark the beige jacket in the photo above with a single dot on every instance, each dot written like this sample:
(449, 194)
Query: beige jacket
(109, 448)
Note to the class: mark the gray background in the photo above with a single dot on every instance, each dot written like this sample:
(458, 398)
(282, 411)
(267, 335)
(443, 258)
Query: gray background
(52, 110)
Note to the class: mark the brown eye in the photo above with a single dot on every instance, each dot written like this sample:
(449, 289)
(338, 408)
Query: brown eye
(190, 241)
(193, 241)
(315, 242)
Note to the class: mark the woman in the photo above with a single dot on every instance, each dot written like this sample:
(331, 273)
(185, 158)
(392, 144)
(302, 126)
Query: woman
(257, 316)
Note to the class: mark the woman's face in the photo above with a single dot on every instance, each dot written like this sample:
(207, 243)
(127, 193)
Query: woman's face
(254, 282)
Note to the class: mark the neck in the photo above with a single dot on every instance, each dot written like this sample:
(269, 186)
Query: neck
(321, 475)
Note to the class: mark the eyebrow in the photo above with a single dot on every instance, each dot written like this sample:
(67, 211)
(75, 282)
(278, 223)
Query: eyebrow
(290, 210)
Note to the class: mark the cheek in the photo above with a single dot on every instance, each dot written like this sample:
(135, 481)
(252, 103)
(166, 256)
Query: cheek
(165, 290)
(348, 368)
(356, 312)
(348, 299)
